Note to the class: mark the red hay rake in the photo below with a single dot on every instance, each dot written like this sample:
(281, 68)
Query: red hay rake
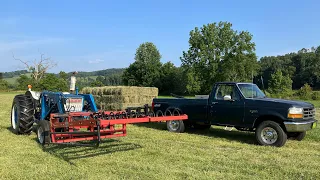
(87, 126)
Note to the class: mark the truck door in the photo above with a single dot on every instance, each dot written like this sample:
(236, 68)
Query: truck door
(226, 105)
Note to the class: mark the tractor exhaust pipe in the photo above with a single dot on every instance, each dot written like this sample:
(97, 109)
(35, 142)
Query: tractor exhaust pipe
(73, 80)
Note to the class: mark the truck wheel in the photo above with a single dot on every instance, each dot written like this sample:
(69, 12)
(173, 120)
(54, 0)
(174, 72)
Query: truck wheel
(297, 135)
(43, 134)
(176, 126)
(270, 133)
(22, 112)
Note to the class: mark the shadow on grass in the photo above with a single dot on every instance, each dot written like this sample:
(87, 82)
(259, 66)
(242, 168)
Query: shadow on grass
(73, 152)
(234, 135)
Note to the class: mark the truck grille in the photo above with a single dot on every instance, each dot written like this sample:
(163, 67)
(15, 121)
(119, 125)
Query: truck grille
(308, 113)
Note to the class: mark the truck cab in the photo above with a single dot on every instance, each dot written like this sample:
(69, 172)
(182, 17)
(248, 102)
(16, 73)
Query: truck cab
(245, 107)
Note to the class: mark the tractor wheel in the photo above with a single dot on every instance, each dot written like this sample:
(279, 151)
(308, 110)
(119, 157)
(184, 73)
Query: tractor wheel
(22, 114)
(43, 132)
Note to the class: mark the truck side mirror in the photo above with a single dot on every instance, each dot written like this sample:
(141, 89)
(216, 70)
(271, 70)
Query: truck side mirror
(227, 98)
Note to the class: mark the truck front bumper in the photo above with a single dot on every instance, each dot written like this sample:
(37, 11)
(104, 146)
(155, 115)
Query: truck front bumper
(300, 126)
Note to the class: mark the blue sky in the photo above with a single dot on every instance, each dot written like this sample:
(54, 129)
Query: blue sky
(95, 35)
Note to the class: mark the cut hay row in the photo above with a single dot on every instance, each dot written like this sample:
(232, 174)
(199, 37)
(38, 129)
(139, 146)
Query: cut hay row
(121, 97)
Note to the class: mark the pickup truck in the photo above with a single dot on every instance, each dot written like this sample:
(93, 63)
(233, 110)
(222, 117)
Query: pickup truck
(245, 107)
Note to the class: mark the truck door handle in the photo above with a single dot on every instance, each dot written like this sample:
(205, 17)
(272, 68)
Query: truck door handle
(214, 102)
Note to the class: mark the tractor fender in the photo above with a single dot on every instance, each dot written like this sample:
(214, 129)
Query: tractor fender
(35, 95)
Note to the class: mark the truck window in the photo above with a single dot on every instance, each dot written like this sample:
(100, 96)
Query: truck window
(225, 89)
(251, 91)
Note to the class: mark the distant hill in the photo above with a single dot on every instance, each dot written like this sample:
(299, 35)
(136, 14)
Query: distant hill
(13, 73)
(11, 77)
(106, 72)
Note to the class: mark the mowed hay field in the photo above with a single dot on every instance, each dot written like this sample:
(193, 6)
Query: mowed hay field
(151, 152)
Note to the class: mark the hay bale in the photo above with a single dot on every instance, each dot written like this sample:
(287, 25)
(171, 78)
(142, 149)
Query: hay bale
(120, 97)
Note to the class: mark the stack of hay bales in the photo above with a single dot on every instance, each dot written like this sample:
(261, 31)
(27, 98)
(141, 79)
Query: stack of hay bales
(121, 97)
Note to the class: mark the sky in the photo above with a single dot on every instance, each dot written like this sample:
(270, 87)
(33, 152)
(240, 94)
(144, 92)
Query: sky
(94, 35)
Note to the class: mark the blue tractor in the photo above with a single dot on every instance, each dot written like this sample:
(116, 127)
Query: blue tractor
(67, 117)
(32, 110)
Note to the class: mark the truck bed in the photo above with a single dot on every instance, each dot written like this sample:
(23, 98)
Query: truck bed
(195, 108)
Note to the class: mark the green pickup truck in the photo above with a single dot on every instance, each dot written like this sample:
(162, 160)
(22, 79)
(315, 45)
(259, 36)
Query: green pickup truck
(245, 107)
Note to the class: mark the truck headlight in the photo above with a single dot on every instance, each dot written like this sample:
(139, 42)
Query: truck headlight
(295, 113)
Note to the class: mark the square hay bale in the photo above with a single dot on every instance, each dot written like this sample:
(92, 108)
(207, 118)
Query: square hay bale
(120, 97)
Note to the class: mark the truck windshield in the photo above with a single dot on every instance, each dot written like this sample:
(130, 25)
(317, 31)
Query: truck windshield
(251, 91)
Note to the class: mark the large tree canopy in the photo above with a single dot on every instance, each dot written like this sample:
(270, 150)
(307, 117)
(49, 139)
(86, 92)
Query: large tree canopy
(219, 53)
(145, 71)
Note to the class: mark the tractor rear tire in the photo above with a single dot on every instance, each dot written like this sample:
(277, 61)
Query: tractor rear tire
(22, 115)
(43, 132)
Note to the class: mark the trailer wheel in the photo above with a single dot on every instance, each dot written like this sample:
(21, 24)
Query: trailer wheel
(22, 115)
(176, 126)
(270, 133)
(43, 134)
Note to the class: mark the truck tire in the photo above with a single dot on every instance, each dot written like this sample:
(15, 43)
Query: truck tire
(176, 126)
(22, 115)
(43, 132)
(299, 136)
(270, 133)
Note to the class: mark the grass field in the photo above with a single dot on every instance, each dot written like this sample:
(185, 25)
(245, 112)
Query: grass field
(151, 152)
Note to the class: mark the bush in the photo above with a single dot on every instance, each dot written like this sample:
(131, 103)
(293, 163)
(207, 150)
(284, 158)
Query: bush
(315, 95)
(305, 92)
(3, 85)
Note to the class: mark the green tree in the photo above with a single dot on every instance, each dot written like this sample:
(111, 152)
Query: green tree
(51, 82)
(23, 81)
(172, 79)
(96, 84)
(280, 84)
(3, 84)
(305, 92)
(219, 53)
(100, 78)
(63, 75)
(145, 71)
(193, 86)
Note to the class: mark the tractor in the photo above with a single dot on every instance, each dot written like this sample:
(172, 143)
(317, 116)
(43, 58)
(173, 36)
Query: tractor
(69, 117)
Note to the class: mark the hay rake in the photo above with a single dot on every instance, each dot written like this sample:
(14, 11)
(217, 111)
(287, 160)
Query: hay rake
(81, 126)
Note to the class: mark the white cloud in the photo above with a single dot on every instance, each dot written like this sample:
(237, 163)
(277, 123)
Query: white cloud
(96, 61)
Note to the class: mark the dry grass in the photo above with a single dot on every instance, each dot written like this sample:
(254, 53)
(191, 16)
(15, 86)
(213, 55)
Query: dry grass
(151, 152)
